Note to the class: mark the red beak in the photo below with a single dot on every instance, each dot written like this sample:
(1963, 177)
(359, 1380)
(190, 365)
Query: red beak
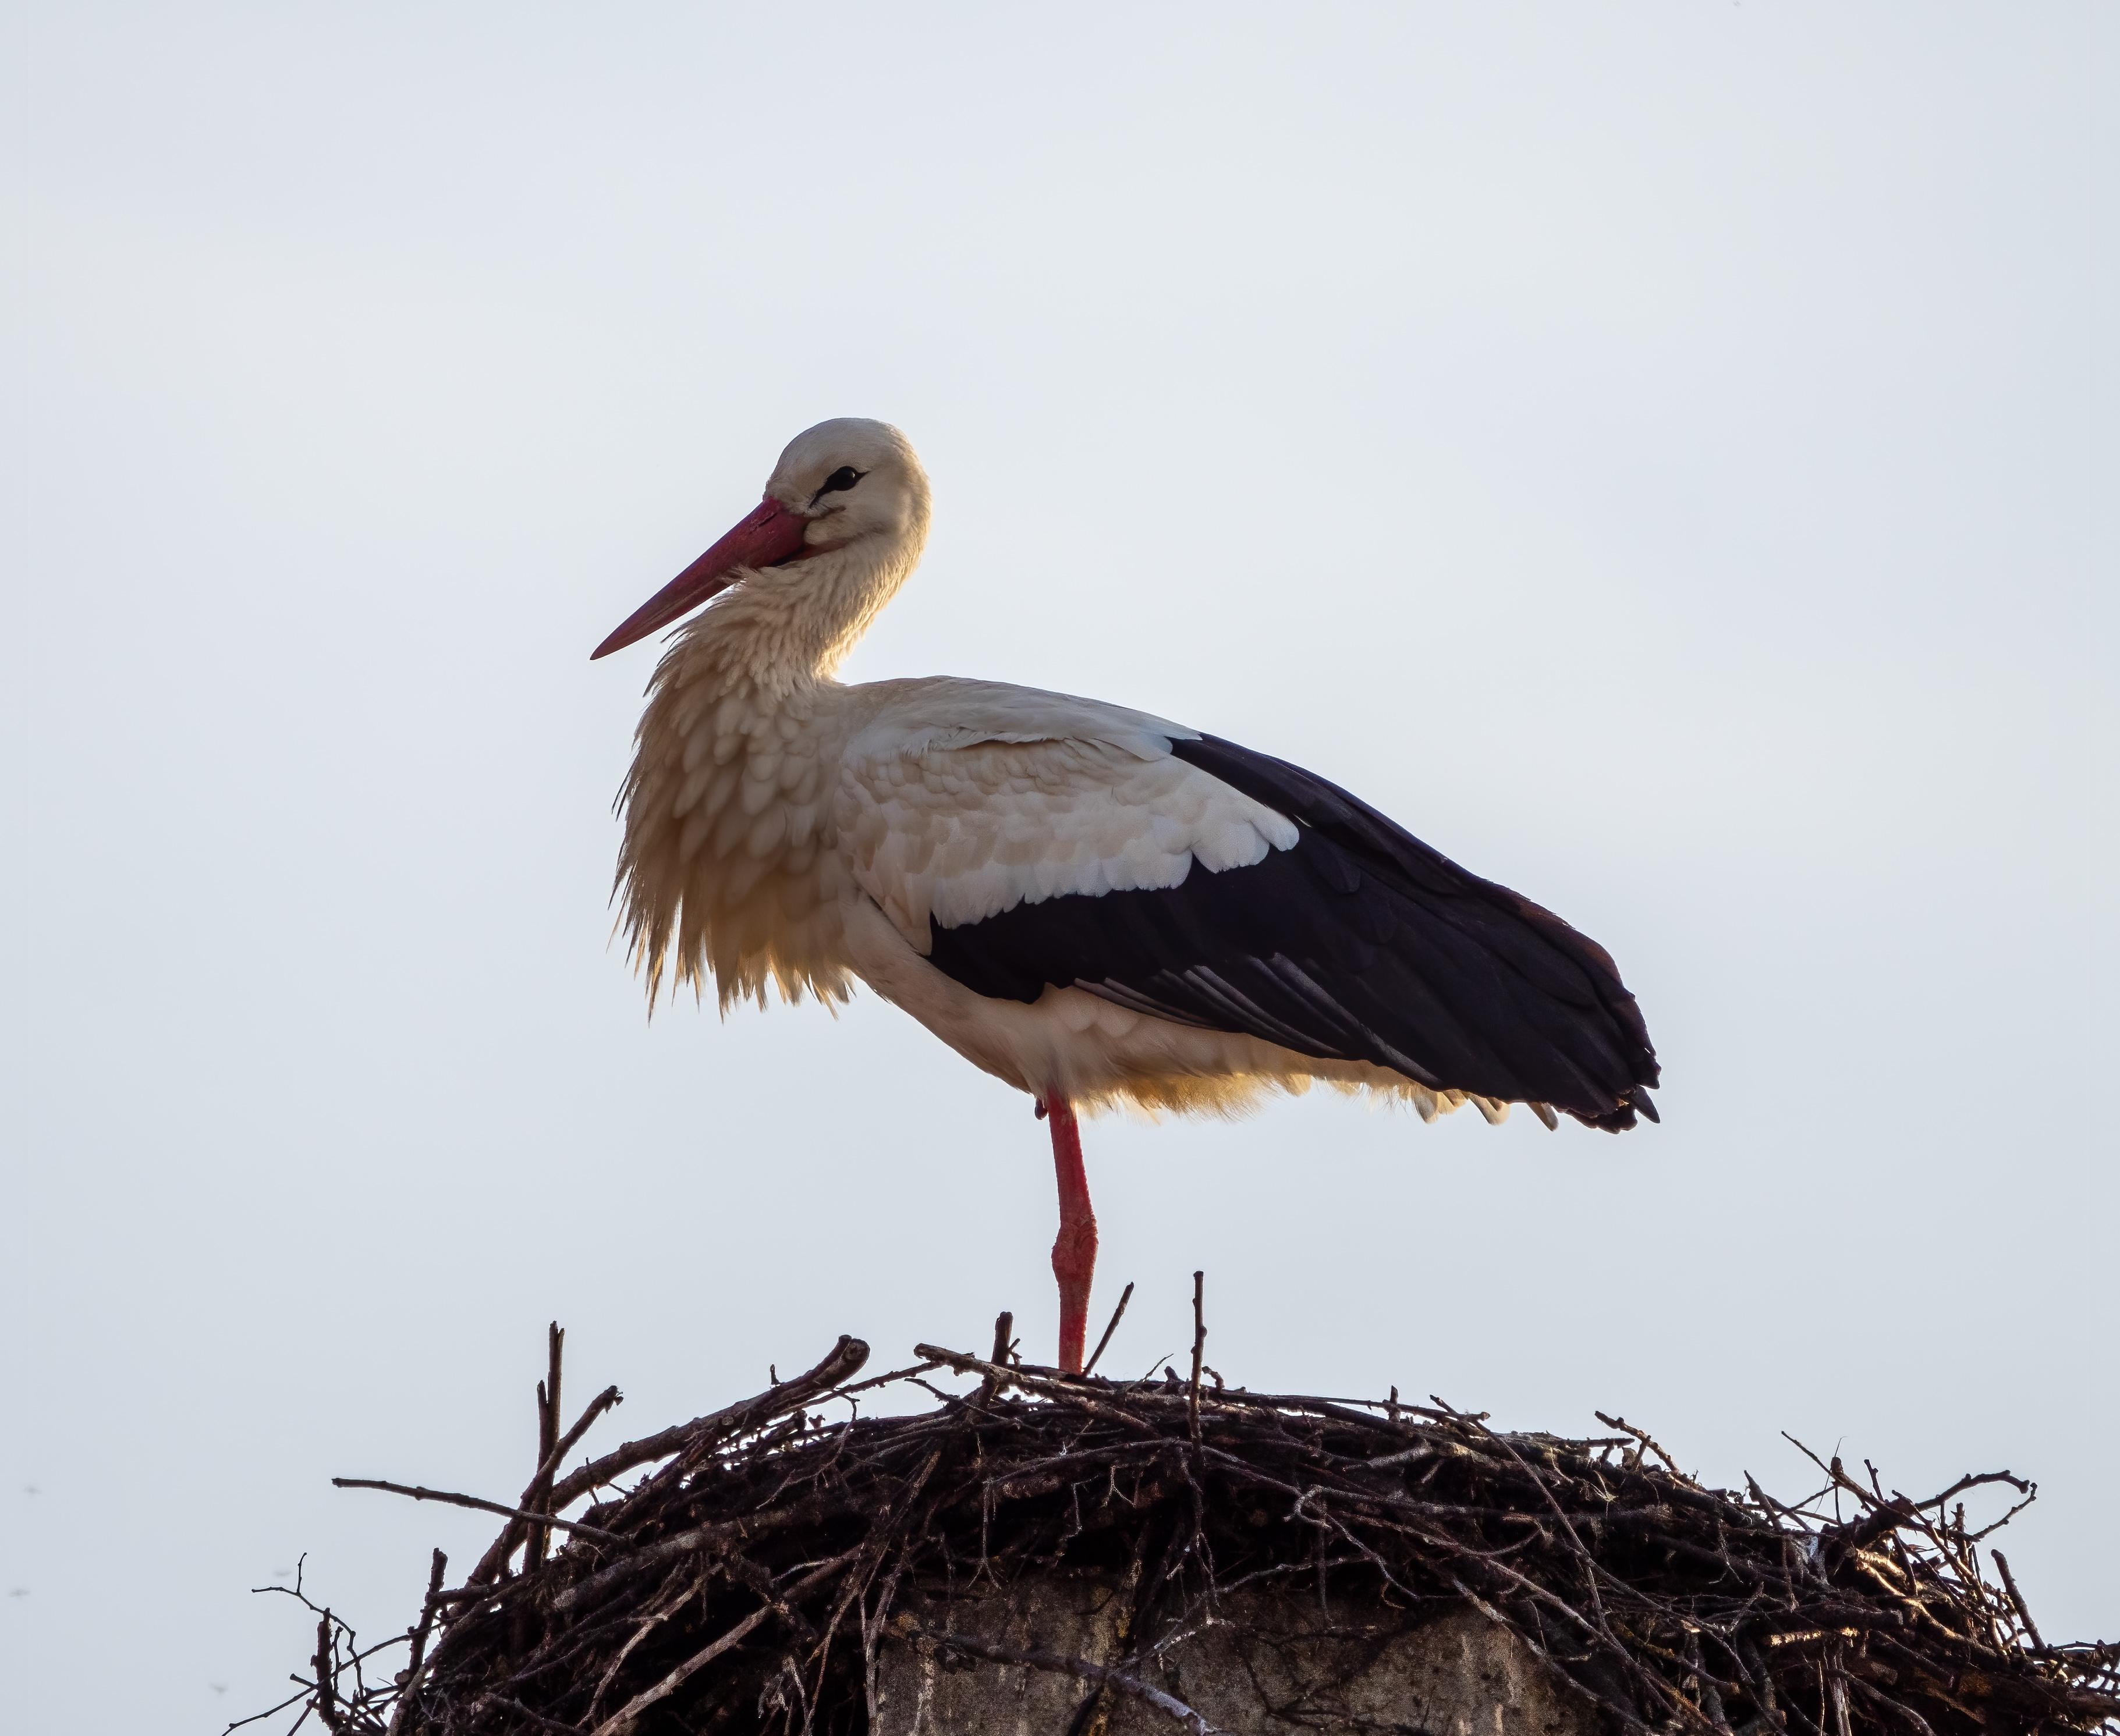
(770, 535)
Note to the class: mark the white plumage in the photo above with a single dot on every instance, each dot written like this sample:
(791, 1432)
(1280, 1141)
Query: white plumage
(960, 800)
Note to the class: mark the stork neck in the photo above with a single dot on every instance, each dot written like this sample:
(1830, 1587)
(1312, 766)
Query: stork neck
(790, 627)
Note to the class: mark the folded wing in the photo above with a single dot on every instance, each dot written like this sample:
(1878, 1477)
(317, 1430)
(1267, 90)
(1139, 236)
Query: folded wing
(1024, 841)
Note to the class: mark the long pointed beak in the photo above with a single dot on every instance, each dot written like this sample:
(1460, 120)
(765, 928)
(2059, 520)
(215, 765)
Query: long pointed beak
(770, 535)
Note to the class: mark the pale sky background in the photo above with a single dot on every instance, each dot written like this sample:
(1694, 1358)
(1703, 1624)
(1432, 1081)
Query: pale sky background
(1652, 450)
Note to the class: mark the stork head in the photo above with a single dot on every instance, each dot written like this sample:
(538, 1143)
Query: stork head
(846, 484)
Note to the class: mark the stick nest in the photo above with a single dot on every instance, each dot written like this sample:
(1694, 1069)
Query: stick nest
(748, 1581)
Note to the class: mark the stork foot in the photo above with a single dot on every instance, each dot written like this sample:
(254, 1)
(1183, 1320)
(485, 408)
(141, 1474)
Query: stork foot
(1075, 1249)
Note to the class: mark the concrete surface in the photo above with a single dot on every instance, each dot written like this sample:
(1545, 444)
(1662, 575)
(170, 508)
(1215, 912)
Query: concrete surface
(1275, 1662)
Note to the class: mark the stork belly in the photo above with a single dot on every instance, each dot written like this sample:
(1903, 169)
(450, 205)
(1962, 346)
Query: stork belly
(1089, 1049)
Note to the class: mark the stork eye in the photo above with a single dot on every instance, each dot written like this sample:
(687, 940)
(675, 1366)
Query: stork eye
(844, 477)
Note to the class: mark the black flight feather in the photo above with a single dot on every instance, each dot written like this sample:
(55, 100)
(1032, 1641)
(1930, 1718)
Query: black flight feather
(1359, 944)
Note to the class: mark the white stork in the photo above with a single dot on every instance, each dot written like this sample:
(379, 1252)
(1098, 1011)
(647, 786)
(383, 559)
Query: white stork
(1091, 903)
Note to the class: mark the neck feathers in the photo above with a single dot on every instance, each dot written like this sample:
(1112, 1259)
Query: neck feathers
(790, 627)
(726, 868)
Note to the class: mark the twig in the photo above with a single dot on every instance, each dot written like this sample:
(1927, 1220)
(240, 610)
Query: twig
(622, 1720)
(1111, 1326)
(302, 1693)
(1003, 1338)
(1199, 1344)
(326, 1675)
(880, 1379)
(427, 1608)
(539, 1499)
(646, 1625)
(539, 1496)
(2017, 1598)
(1973, 1480)
(844, 1360)
(1625, 1428)
(1049, 1383)
(418, 1493)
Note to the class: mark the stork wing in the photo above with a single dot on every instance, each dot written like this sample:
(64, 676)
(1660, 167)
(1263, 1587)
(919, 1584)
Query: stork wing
(1188, 877)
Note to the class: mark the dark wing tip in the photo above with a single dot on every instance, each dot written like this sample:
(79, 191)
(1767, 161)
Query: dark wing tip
(1633, 1108)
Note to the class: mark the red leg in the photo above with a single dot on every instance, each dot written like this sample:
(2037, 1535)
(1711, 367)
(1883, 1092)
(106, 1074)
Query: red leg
(1075, 1249)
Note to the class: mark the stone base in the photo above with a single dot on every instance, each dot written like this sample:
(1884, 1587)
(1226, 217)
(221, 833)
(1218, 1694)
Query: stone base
(1275, 1662)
